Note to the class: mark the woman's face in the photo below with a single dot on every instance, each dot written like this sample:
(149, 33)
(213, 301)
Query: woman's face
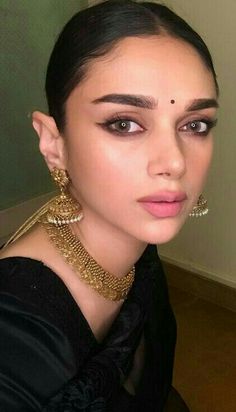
(138, 137)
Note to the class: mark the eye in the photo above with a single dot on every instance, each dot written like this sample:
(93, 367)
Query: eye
(122, 126)
(125, 126)
(200, 127)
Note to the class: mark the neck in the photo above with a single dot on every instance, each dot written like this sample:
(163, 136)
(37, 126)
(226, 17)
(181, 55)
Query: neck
(112, 249)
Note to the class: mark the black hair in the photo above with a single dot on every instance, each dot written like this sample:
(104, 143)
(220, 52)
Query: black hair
(94, 31)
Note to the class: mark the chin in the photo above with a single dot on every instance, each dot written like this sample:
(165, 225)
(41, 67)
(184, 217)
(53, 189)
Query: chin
(162, 232)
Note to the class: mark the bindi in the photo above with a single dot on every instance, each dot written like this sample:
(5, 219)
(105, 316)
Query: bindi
(172, 101)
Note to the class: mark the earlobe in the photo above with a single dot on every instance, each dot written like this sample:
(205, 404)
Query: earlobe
(51, 143)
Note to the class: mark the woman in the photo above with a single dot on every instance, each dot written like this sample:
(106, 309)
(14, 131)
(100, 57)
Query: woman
(86, 321)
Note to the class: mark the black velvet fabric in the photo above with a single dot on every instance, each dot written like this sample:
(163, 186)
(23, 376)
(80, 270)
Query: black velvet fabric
(51, 361)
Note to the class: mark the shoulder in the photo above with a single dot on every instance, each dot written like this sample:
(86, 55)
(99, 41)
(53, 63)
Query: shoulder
(32, 339)
(29, 280)
(34, 291)
(34, 244)
(29, 284)
(26, 273)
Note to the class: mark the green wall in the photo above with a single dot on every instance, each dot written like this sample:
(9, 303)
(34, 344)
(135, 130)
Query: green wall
(28, 31)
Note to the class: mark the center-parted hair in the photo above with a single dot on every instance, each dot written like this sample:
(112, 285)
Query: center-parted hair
(93, 32)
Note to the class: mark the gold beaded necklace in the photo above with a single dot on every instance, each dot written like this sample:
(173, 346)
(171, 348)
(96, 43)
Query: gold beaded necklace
(109, 286)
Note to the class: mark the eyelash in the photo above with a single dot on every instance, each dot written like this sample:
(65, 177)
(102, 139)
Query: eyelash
(106, 125)
(209, 125)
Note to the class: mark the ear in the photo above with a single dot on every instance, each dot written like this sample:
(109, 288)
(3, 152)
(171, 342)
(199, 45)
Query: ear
(51, 143)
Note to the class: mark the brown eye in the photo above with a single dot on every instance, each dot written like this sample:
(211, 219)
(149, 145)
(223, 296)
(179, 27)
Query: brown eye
(121, 126)
(125, 126)
(198, 127)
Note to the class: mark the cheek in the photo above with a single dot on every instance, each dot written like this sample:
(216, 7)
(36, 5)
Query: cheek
(101, 169)
(199, 156)
(198, 163)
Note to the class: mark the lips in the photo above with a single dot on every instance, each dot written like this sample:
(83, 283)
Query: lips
(164, 204)
(165, 197)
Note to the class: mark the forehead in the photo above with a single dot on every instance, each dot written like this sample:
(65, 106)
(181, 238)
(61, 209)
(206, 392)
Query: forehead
(154, 65)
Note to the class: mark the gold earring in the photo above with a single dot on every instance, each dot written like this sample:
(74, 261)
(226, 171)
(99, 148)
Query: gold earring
(63, 209)
(201, 208)
(60, 210)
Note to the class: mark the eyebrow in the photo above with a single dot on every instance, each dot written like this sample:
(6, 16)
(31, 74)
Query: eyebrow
(148, 102)
(145, 102)
(199, 104)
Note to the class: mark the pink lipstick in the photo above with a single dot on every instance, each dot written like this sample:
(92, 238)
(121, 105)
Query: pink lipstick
(164, 204)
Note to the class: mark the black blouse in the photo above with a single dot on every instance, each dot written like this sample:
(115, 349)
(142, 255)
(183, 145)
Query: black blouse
(51, 361)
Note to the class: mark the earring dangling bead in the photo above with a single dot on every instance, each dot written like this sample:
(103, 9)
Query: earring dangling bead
(63, 209)
(201, 209)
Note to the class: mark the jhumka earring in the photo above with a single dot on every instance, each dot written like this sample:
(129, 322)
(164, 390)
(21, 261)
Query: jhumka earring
(63, 209)
(60, 210)
(201, 208)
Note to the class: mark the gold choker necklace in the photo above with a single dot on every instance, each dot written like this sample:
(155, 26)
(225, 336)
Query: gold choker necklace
(109, 286)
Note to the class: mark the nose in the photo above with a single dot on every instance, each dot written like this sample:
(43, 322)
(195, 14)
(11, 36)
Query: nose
(166, 155)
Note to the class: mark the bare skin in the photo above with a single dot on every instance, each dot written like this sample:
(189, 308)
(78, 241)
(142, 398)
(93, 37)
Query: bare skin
(111, 171)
